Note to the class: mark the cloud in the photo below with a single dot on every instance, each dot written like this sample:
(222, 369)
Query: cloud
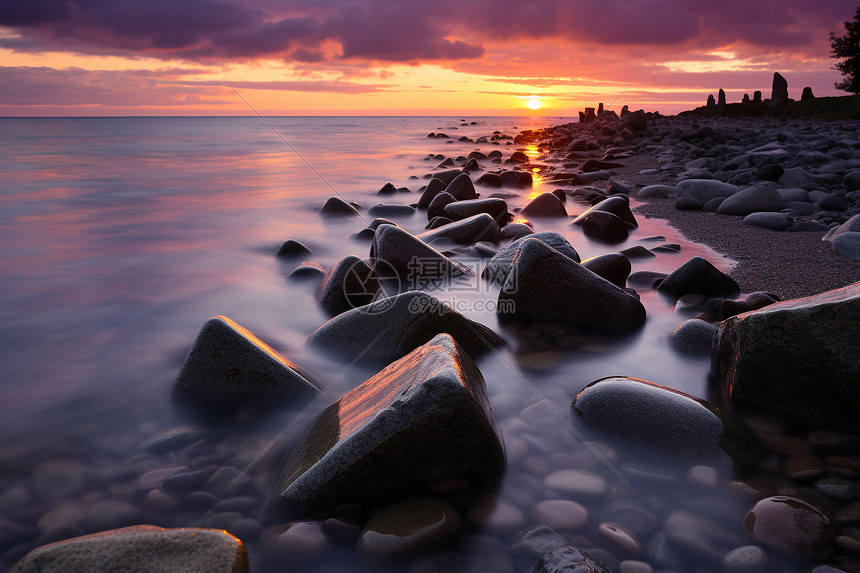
(407, 30)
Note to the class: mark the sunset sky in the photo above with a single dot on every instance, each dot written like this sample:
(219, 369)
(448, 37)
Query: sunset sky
(405, 57)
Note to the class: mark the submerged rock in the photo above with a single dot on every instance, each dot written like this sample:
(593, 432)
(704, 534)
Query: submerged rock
(659, 422)
(499, 266)
(292, 249)
(544, 285)
(568, 559)
(335, 206)
(544, 205)
(614, 267)
(422, 420)
(408, 526)
(229, 369)
(604, 226)
(468, 231)
(462, 188)
(496, 208)
(796, 358)
(390, 328)
(618, 206)
(142, 549)
(792, 524)
(434, 187)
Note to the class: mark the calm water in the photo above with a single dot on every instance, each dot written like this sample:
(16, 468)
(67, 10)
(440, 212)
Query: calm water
(120, 237)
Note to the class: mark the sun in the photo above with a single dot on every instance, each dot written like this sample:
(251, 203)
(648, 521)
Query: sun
(533, 103)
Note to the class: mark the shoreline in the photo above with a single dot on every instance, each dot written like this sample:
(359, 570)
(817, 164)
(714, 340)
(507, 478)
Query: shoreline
(788, 264)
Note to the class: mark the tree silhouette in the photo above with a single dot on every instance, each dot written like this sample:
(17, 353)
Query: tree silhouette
(848, 46)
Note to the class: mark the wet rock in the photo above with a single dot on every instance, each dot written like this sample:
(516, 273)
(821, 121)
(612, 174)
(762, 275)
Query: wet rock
(422, 420)
(658, 422)
(656, 192)
(517, 179)
(229, 369)
(408, 526)
(382, 210)
(397, 253)
(698, 276)
(447, 177)
(437, 222)
(561, 514)
(693, 336)
(769, 172)
(614, 267)
(545, 285)
(350, 284)
(603, 226)
(700, 538)
(142, 548)
(774, 221)
(796, 358)
(461, 188)
(499, 267)
(638, 252)
(544, 205)
(337, 207)
(703, 190)
(489, 180)
(792, 524)
(839, 489)
(578, 484)
(618, 206)
(619, 539)
(307, 271)
(531, 544)
(745, 559)
(496, 208)
(436, 208)
(646, 279)
(434, 187)
(467, 231)
(491, 513)
(292, 249)
(635, 519)
(514, 231)
(390, 328)
(569, 559)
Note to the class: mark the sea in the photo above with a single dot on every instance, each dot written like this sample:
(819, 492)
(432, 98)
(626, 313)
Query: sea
(121, 237)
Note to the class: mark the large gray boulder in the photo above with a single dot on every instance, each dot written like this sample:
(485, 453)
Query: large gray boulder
(141, 549)
(434, 187)
(390, 328)
(544, 285)
(752, 200)
(544, 205)
(468, 231)
(797, 358)
(461, 188)
(703, 190)
(657, 422)
(398, 253)
(423, 420)
(496, 208)
(499, 266)
(229, 370)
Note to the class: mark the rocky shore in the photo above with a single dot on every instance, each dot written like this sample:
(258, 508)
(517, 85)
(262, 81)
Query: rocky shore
(433, 465)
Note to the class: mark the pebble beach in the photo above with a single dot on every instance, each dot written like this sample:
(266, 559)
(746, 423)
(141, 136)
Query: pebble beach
(578, 414)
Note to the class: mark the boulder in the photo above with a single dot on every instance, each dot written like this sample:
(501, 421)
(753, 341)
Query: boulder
(656, 422)
(614, 267)
(229, 370)
(436, 208)
(618, 206)
(796, 358)
(514, 231)
(698, 276)
(467, 231)
(694, 336)
(496, 208)
(793, 525)
(499, 266)
(292, 249)
(434, 187)
(603, 226)
(779, 92)
(518, 179)
(489, 180)
(569, 559)
(391, 210)
(337, 207)
(350, 284)
(703, 190)
(447, 176)
(142, 549)
(544, 205)
(461, 188)
(544, 285)
(847, 244)
(390, 328)
(397, 253)
(752, 200)
(656, 192)
(423, 420)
